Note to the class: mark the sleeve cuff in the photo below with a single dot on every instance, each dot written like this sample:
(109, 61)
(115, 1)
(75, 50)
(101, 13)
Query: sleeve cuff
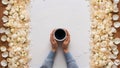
(51, 55)
(68, 57)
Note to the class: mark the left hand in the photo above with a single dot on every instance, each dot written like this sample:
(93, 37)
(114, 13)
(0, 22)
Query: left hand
(66, 42)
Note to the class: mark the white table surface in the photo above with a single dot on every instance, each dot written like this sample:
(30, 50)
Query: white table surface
(70, 14)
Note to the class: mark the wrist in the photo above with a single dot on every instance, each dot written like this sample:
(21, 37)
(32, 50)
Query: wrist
(53, 50)
(66, 50)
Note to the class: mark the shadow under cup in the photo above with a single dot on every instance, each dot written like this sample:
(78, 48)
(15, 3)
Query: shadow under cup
(60, 34)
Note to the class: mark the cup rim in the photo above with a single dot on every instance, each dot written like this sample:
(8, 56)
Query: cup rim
(60, 39)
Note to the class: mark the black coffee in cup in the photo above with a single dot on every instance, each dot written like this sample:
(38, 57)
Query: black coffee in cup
(60, 34)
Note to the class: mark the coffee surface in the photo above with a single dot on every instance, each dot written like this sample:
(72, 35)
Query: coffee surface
(60, 34)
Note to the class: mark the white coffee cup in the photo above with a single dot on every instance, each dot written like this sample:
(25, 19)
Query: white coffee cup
(60, 34)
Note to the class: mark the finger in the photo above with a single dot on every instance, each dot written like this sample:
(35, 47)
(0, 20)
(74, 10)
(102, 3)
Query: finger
(52, 35)
(68, 37)
(67, 33)
(67, 40)
(53, 32)
(52, 39)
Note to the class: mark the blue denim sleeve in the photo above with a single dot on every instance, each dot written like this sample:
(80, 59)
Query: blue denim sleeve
(49, 60)
(71, 63)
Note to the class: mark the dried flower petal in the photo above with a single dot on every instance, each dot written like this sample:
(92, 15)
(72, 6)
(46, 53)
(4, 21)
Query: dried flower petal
(115, 17)
(114, 66)
(116, 1)
(103, 49)
(7, 31)
(116, 40)
(5, 2)
(5, 54)
(115, 9)
(116, 24)
(5, 12)
(8, 7)
(3, 38)
(2, 30)
(4, 63)
(117, 62)
(113, 30)
(14, 36)
(5, 19)
(113, 47)
(110, 64)
(3, 48)
(115, 52)
(10, 44)
(113, 56)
